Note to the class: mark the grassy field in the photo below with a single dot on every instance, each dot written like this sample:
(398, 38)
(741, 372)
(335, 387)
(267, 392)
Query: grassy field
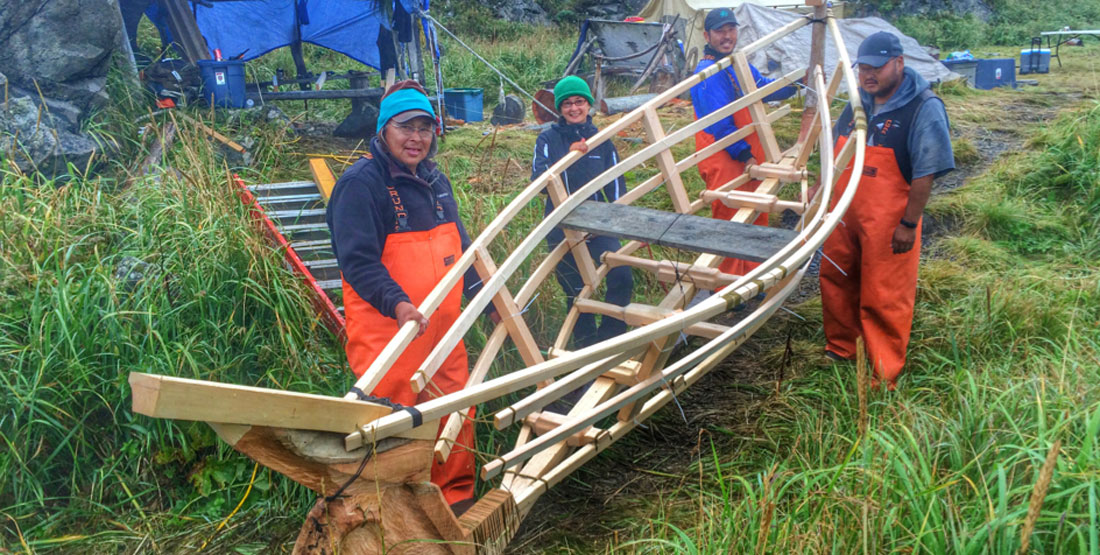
(770, 458)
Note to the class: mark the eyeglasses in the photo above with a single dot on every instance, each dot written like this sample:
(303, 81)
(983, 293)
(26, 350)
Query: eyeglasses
(580, 102)
(424, 132)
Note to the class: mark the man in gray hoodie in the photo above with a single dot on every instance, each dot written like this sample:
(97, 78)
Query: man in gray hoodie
(869, 280)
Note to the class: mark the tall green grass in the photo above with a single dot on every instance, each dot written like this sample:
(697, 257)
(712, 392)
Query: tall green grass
(216, 304)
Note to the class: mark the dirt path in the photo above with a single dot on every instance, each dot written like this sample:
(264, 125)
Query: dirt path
(586, 511)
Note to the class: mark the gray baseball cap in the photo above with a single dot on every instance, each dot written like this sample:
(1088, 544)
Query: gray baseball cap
(878, 49)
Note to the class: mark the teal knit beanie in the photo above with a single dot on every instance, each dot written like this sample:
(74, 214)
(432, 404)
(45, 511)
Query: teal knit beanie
(402, 101)
(571, 86)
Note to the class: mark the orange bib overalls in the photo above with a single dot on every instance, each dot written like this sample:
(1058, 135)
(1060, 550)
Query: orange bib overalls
(720, 168)
(417, 261)
(866, 289)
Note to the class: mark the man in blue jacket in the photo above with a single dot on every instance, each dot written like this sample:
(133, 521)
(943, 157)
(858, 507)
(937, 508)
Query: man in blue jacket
(720, 32)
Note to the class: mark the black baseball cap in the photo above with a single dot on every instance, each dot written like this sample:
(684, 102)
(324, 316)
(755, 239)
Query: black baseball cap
(719, 17)
(878, 49)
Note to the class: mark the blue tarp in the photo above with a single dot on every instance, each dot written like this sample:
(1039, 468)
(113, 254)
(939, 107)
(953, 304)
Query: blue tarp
(350, 27)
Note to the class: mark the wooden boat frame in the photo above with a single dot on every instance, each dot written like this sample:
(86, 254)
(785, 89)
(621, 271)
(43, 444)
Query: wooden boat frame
(388, 503)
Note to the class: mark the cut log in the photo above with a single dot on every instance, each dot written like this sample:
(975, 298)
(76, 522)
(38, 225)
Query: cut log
(680, 231)
(618, 104)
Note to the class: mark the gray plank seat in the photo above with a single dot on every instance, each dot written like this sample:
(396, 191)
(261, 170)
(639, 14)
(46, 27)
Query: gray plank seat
(680, 231)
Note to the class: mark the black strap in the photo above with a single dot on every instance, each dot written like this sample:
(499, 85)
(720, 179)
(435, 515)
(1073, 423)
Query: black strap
(418, 418)
(401, 216)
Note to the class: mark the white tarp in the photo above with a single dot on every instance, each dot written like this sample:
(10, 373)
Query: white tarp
(793, 51)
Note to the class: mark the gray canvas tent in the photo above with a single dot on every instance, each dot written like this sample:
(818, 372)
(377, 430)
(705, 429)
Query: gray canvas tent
(792, 51)
(691, 14)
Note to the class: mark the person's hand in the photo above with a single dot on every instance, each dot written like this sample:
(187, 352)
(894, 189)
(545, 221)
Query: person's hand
(405, 311)
(580, 146)
(495, 317)
(903, 239)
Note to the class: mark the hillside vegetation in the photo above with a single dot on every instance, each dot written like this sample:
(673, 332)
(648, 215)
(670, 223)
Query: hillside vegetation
(1011, 23)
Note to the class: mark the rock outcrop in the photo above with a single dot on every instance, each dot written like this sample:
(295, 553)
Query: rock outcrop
(56, 55)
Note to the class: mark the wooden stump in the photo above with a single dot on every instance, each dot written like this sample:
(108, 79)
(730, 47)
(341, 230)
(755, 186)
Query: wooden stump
(377, 498)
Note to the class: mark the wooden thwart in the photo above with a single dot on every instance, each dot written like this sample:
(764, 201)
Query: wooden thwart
(680, 231)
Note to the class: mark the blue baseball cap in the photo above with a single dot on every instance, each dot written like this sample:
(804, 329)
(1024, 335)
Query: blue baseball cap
(719, 17)
(403, 105)
(878, 49)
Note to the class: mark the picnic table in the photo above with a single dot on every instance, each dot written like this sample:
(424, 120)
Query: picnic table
(1058, 38)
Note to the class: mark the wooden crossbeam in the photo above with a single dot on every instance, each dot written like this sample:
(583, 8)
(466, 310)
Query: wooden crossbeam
(680, 231)
(669, 271)
(756, 109)
(577, 245)
(623, 374)
(636, 314)
(565, 384)
(784, 173)
(756, 201)
(544, 422)
(667, 164)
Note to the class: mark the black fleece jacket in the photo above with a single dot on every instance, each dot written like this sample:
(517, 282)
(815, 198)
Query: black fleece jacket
(553, 144)
(360, 216)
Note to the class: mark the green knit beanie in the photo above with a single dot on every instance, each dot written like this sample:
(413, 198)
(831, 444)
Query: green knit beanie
(571, 86)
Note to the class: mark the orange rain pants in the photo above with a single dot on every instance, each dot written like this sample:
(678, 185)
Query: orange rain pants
(417, 261)
(866, 289)
(719, 169)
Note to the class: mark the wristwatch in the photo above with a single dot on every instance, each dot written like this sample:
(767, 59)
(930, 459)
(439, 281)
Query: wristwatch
(908, 224)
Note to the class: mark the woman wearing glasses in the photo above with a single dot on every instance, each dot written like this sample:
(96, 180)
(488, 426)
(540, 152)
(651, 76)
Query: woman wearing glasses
(396, 232)
(573, 100)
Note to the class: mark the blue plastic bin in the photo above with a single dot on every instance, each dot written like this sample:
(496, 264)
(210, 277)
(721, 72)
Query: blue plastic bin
(463, 104)
(223, 82)
(995, 72)
(1034, 61)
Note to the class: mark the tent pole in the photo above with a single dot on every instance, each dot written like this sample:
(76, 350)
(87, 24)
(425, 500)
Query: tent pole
(418, 52)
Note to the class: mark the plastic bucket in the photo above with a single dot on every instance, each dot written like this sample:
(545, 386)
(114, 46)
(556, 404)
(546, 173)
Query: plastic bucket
(223, 82)
(464, 104)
